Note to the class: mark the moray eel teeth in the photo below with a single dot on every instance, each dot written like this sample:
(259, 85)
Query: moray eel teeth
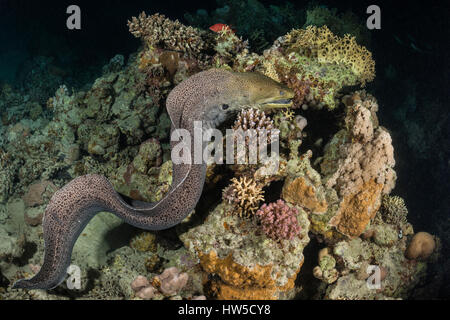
(201, 97)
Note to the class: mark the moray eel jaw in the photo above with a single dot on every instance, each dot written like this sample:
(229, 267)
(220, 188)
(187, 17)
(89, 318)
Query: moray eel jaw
(276, 104)
(263, 92)
(236, 91)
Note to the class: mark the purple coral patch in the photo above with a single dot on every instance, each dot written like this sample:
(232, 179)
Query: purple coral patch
(279, 221)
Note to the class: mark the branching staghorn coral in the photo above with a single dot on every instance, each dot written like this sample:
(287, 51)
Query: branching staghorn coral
(158, 31)
(254, 119)
(279, 220)
(393, 210)
(244, 194)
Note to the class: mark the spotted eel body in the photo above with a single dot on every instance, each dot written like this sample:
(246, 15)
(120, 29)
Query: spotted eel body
(198, 98)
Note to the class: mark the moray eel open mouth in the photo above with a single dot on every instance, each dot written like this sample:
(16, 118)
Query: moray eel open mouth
(280, 103)
(283, 99)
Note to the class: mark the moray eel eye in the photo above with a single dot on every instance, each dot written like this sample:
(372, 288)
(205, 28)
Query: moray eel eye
(225, 107)
(281, 93)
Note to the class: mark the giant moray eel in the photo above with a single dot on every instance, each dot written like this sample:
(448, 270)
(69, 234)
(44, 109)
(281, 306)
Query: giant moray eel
(209, 96)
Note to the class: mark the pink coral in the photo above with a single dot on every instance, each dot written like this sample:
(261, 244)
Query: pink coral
(279, 221)
(146, 293)
(172, 281)
(139, 283)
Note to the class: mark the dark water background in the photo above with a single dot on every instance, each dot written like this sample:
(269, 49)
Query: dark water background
(412, 84)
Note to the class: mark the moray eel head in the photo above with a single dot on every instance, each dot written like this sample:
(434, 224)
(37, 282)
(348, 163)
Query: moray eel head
(236, 91)
(263, 92)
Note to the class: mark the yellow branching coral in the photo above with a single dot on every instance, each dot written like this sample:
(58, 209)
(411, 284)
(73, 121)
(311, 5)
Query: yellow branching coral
(244, 194)
(317, 65)
(322, 44)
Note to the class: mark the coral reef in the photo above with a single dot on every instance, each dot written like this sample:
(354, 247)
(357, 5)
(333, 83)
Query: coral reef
(158, 31)
(249, 264)
(358, 164)
(331, 185)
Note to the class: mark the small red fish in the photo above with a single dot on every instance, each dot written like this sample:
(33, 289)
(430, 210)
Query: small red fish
(220, 26)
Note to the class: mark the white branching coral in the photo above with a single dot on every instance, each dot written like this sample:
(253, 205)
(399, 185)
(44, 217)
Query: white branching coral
(253, 119)
(244, 194)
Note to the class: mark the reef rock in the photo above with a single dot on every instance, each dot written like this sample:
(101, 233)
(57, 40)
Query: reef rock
(248, 264)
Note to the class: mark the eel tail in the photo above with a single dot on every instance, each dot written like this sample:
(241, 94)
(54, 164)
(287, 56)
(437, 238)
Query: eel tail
(68, 212)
